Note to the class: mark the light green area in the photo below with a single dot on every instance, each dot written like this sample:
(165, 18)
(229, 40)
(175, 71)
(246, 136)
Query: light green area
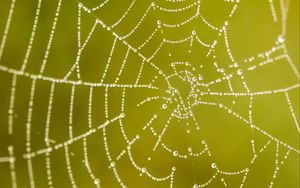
(219, 117)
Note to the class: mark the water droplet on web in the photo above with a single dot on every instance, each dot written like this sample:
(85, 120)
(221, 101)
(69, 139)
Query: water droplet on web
(97, 181)
(164, 106)
(239, 72)
(213, 165)
(280, 39)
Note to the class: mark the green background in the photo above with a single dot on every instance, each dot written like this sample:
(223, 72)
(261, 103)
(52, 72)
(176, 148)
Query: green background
(251, 31)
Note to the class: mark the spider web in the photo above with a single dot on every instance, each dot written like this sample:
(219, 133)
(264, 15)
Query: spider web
(152, 107)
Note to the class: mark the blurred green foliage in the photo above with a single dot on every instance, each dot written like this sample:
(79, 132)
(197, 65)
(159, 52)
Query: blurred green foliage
(251, 31)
